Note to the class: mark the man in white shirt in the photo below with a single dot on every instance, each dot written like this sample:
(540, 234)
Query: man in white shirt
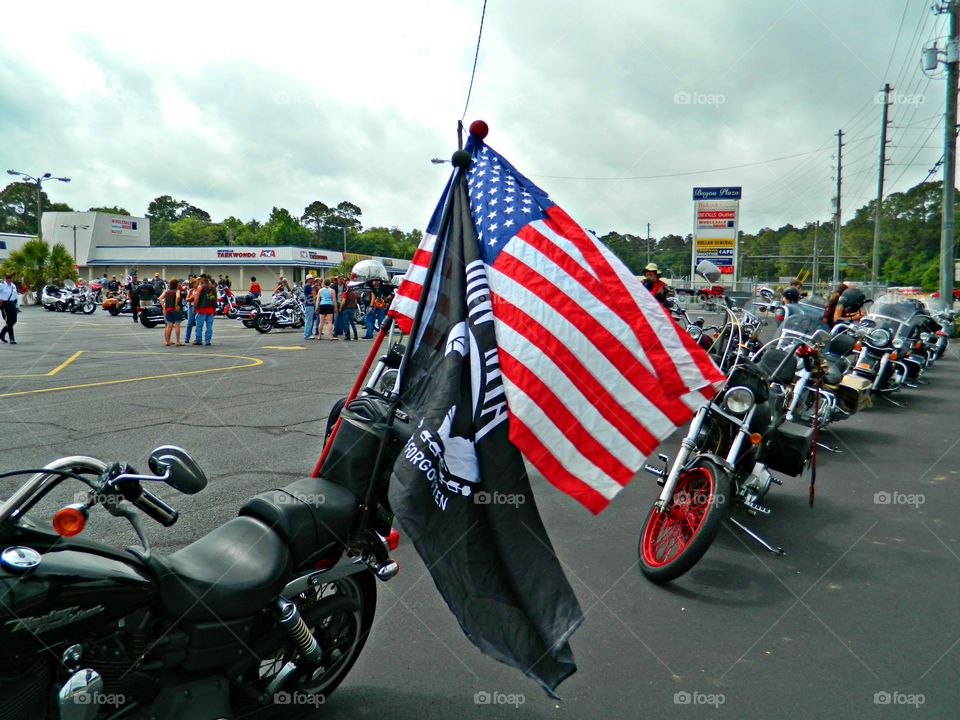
(8, 306)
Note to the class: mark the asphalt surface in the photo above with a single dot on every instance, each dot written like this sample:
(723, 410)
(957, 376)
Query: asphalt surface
(858, 619)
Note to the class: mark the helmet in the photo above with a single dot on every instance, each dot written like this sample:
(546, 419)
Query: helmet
(791, 294)
(852, 298)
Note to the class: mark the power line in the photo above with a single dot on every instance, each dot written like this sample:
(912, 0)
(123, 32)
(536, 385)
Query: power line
(476, 55)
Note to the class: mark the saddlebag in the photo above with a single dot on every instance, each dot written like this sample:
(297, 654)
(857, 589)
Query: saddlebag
(790, 448)
(354, 451)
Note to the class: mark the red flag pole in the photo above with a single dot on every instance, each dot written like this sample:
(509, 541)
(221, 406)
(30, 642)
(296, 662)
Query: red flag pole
(354, 391)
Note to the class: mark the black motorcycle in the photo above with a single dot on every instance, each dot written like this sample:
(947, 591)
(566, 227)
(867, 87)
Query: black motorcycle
(285, 313)
(275, 602)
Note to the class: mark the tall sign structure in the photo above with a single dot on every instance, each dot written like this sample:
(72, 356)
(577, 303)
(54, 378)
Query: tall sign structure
(716, 224)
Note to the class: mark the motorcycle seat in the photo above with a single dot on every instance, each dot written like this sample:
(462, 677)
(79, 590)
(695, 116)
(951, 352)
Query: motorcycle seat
(310, 514)
(232, 572)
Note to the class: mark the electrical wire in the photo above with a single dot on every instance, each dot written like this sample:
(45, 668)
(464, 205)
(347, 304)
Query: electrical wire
(476, 55)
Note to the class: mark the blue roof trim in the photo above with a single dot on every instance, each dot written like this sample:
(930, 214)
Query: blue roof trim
(154, 262)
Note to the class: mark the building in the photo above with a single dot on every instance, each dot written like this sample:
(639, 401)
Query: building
(10, 242)
(119, 244)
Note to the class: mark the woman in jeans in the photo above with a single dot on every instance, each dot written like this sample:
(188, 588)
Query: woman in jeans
(172, 311)
(326, 308)
(191, 314)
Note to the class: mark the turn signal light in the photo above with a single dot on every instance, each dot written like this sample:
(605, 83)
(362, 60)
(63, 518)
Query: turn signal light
(70, 520)
(918, 345)
(893, 355)
(393, 539)
(857, 346)
(755, 438)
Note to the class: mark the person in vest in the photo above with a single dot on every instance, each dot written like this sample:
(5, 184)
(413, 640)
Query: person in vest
(172, 302)
(204, 307)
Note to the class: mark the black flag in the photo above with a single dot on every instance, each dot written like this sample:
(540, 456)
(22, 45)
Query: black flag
(459, 487)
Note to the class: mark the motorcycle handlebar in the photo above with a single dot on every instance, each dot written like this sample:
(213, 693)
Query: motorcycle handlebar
(156, 508)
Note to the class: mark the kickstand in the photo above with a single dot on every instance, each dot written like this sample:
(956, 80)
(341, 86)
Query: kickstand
(892, 401)
(828, 448)
(767, 546)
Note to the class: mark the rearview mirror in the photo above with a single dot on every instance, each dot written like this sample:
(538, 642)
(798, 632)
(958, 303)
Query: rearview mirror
(708, 271)
(822, 337)
(185, 475)
(766, 293)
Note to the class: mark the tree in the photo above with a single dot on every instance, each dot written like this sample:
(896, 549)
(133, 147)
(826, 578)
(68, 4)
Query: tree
(18, 207)
(110, 210)
(36, 264)
(283, 229)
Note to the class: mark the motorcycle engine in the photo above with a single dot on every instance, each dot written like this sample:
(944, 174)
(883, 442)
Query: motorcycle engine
(757, 484)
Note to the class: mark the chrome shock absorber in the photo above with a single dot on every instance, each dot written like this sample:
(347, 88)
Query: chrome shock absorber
(289, 618)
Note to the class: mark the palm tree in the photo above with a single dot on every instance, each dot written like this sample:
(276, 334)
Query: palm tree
(36, 264)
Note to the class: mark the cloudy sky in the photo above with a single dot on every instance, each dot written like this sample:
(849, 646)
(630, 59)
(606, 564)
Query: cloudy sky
(240, 107)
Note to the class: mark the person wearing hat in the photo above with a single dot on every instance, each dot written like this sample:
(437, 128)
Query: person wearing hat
(652, 282)
(9, 298)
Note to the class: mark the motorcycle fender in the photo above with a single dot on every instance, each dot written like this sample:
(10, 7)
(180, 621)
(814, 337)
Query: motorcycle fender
(342, 569)
(722, 462)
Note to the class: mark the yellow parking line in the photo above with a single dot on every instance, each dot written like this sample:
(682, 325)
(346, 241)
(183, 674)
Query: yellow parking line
(253, 362)
(53, 372)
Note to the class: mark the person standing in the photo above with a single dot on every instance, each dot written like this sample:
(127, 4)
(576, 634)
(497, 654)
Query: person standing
(159, 286)
(652, 282)
(191, 313)
(133, 293)
(172, 303)
(9, 297)
(348, 311)
(376, 308)
(326, 309)
(255, 289)
(205, 305)
(309, 309)
(114, 285)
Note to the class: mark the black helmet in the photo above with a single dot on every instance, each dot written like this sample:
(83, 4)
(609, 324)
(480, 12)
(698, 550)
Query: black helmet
(853, 298)
(791, 294)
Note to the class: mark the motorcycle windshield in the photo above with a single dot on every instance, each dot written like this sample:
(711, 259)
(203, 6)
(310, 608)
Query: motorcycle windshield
(799, 324)
(894, 311)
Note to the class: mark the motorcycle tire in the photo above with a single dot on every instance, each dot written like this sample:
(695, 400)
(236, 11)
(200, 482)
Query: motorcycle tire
(59, 306)
(249, 322)
(349, 613)
(147, 322)
(232, 313)
(673, 541)
(114, 311)
(263, 325)
(89, 308)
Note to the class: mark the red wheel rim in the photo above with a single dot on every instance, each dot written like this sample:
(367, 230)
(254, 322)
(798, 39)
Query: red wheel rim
(669, 533)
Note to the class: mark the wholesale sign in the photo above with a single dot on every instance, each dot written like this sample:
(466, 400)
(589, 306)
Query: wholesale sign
(715, 222)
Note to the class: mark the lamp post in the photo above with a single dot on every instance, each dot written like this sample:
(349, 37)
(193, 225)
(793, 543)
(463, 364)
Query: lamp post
(38, 181)
(82, 227)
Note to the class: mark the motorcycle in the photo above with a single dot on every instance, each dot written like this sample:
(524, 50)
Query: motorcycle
(226, 305)
(54, 298)
(887, 336)
(117, 303)
(81, 300)
(278, 600)
(288, 312)
(725, 460)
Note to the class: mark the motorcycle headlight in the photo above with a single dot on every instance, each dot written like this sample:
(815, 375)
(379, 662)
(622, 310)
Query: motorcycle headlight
(897, 343)
(738, 400)
(879, 337)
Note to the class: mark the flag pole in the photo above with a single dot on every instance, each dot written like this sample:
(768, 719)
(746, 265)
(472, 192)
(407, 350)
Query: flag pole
(461, 161)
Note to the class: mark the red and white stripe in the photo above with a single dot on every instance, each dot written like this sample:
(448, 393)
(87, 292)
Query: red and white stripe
(405, 301)
(596, 373)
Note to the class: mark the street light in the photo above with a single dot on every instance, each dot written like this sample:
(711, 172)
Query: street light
(38, 182)
(82, 227)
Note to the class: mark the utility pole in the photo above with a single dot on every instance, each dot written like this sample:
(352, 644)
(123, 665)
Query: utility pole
(815, 275)
(949, 157)
(836, 221)
(883, 161)
(648, 243)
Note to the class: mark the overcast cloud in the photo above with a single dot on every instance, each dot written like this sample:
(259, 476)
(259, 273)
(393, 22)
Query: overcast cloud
(240, 107)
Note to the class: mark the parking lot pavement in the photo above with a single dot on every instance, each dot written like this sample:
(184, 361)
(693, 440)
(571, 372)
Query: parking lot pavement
(858, 619)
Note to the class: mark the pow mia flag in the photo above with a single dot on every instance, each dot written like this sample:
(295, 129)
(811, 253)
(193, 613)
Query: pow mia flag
(459, 486)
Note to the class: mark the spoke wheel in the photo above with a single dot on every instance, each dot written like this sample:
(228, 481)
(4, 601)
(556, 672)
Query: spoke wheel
(674, 540)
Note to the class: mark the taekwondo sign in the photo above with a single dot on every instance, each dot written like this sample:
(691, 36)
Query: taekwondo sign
(716, 221)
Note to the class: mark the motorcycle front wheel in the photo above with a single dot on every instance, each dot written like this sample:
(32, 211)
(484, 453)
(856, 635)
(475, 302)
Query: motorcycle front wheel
(249, 322)
(89, 308)
(113, 311)
(263, 325)
(673, 541)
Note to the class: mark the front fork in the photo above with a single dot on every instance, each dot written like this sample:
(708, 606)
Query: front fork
(798, 389)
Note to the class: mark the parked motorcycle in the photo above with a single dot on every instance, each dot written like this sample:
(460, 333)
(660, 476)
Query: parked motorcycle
(725, 461)
(887, 336)
(278, 600)
(117, 303)
(287, 313)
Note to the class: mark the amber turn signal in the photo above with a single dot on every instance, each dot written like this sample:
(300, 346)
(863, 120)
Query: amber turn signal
(70, 520)
(755, 438)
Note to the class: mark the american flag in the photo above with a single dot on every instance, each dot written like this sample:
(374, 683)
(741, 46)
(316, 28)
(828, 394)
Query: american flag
(596, 373)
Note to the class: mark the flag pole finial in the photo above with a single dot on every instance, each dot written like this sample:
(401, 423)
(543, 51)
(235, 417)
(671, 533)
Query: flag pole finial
(461, 159)
(479, 129)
